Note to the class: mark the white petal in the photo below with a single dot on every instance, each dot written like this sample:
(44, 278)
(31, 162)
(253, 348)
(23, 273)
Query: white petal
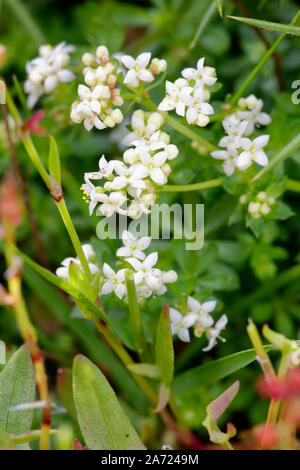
(220, 154)
(128, 61)
(243, 161)
(119, 182)
(263, 119)
(261, 141)
(143, 59)
(65, 75)
(158, 176)
(143, 243)
(171, 89)
(124, 251)
(193, 304)
(84, 92)
(175, 316)
(167, 104)
(151, 260)
(209, 306)
(180, 108)
(107, 270)
(136, 264)
(130, 76)
(145, 75)
(184, 335)
(189, 319)
(200, 64)
(261, 158)
(95, 106)
(50, 83)
(120, 290)
(206, 108)
(107, 287)
(191, 115)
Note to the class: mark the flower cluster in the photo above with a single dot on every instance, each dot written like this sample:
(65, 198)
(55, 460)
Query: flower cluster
(46, 70)
(198, 316)
(241, 151)
(148, 279)
(189, 95)
(144, 166)
(63, 270)
(260, 206)
(141, 69)
(99, 95)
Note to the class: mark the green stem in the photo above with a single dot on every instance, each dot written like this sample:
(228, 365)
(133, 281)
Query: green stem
(260, 65)
(192, 187)
(63, 210)
(135, 315)
(207, 17)
(279, 157)
(184, 130)
(293, 185)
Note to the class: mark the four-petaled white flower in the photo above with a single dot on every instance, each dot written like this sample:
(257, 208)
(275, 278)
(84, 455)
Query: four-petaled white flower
(113, 281)
(199, 313)
(132, 176)
(229, 156)
(202, 75)
(254, 117)
(235, 132)
(133, 246)
(137, 68)
(177, 98)
(91, 193)
(106, 168)
(199, 110)
(180, 325)
(253, 152)
(146, 272)
(89, 107)
(152, 165)
(213, 334)
(112, 203)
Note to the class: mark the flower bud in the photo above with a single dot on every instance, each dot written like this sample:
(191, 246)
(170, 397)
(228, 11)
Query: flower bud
(117, 116)
(90, 78)
(261, 196)
(102, 51)
(101, 74)
(251, 101)
(265, 209)
(108, 122)
(130, 156)
(164, 137)
(156, 119)
(202, 120)
(87, 58)
(181, 83)
(210, 71)
(172, 151)
(166, 169)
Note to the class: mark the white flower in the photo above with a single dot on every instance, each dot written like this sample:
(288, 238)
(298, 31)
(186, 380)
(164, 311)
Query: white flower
(112, 203)
(178, 97)
(113, 281)
(180, 325)
(214, 333)
(202, 75)
(63, 271)
(137, 68)
(199, 313)
(106, 168)
(230, 158)
(132, 176)
(199, 111)
(133, 246)
(152, 165)
(89, 107)
(91, 194)
(143, 126)
(146, 272)
(253, 151)
(234, 131)
(47, 70)
(254, 117)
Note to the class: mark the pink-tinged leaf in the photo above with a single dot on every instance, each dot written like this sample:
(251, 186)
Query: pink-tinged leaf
(32, 125)
(217, 407)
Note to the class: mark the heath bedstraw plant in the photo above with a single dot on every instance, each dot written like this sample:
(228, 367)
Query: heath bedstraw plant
(126, 291)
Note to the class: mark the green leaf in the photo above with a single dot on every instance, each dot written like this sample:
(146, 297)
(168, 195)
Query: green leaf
(101, 418)
(164, 352)
(54, 160)
(17, 386)
(148, 370)
(134, 311)
(269, 25)
(214, 371)
(220, 7)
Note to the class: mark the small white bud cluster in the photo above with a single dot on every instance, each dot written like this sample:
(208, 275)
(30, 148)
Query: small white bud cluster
(189, 95)
(99, 99)
(260, 206)
(46, 70)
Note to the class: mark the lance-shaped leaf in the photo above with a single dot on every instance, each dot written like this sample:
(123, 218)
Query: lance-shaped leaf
(215, 410)
(101, 418)
(135, 314)
(17, 386)
(220, 7)
(213, 371)
(54, 160)
(269, 25)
